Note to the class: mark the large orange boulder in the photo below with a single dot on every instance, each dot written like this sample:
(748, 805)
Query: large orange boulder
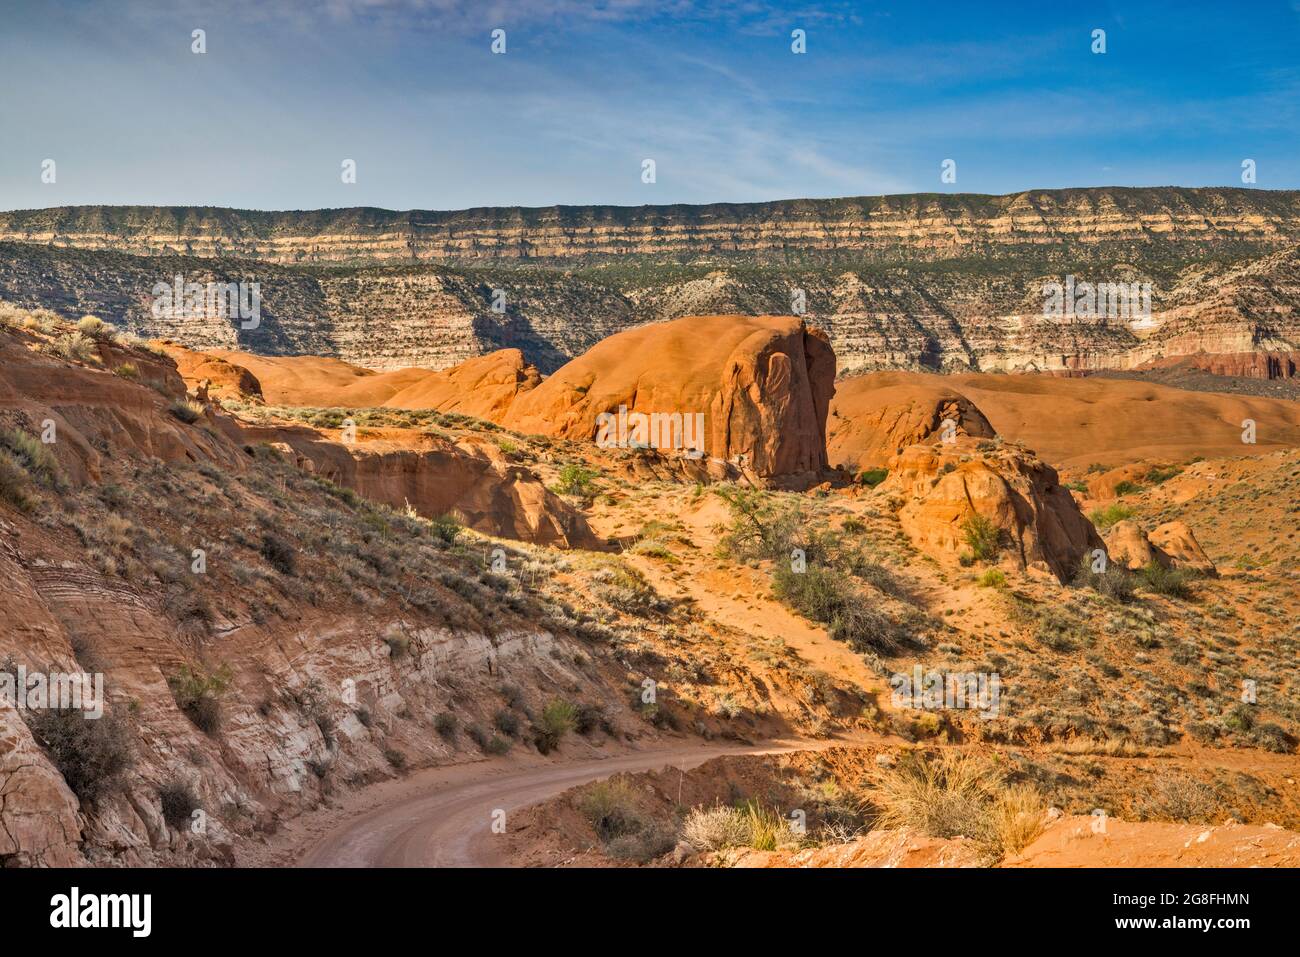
(874, 417)
(759, 387)
(1175, 539)
(943, 485)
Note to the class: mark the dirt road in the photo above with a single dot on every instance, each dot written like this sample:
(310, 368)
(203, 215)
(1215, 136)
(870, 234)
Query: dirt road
(444, 818)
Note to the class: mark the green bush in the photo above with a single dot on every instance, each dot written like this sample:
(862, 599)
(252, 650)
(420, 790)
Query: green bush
(872, 477)
(1112, 514)
(577, 480)
(445, 528)
(559, 717)
(982, 536)
(14, 484)
(993, 578)
(198, 694)
(1174, 582)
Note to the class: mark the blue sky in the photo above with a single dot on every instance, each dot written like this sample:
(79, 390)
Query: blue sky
(410, 90)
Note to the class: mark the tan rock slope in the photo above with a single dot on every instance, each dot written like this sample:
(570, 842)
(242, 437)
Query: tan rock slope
(1072, 422)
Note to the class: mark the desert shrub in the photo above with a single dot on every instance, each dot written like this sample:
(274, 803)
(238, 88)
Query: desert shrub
(198, 694)
(91, 754)
(496, 745)
(872, 477)
(398, 644)
(559, 717)
(279, 554)
(1177, 797)
(507, 722)
(1112, 514)
(1240, 718)
(33, 455)
(446, 724)
(1127, 488)
(1174, 582)
(178, 804)
(95, 327)
(188, 412)
(587, 718)
(396, 759)
(767, 830)
(1273, 737)
(822, 594)
(611, 809)
(74, 347)
(993, 578)
(1115, 582)
(445, 528)
(128, 371)
(576, 480)
(715, 828)
(14, 484)
(982, 536)
(959, 795)
(761, 529)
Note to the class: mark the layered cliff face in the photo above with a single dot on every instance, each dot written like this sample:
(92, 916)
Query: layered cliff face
(940, 283)
(927, 225)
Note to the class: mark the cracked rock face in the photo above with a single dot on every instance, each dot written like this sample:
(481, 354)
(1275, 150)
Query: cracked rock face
(763, 385)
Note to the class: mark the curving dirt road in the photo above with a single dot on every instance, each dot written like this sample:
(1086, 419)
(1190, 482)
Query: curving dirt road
(446, 821)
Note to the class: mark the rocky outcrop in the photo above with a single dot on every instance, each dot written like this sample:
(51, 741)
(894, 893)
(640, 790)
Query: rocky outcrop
(435, 477)
(760, 387)
(941, 486)
(1176, 541)
(213, 376)
(874, 417)
(1127, 545)
(1171, 545)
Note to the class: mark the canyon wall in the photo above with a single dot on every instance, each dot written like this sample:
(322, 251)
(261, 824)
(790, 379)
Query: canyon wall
(925, 282)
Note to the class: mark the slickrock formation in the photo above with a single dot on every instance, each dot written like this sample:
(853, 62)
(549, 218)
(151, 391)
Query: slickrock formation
(483, 387)
(762, 385)
(1172, 545)
(874, 417)
(218, 377)
(943, 485)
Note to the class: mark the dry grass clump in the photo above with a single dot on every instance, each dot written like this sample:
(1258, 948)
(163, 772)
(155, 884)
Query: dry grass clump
(715, 828)
(959, 795)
